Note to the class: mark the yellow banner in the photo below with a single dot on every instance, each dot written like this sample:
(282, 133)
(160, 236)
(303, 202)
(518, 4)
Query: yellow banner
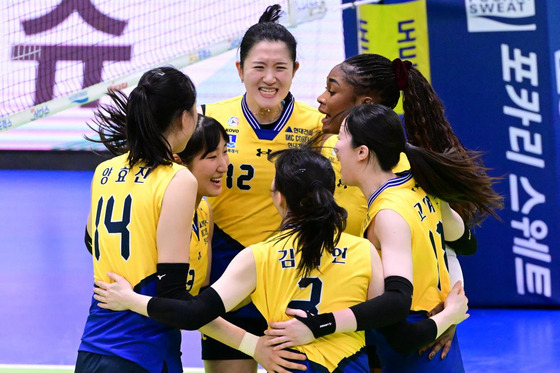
(396, 30)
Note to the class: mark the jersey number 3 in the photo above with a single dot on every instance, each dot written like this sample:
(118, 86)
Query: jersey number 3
(314, 298)
(113, 227)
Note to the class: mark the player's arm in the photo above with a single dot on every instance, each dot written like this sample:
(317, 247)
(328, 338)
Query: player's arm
(458, 236)
(173, 235)
(391, 308)
(233, 286)
(270, 359)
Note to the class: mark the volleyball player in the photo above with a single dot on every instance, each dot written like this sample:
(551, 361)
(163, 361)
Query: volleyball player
(206, 157)
(301, 266)
(142, 205)
(407, 218)
(371, 78)
(263, 120)
(140, 221)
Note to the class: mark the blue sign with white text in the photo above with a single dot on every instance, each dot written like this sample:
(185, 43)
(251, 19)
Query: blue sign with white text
(496, 66)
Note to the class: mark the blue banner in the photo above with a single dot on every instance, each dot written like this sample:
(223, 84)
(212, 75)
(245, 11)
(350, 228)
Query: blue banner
(496, 66)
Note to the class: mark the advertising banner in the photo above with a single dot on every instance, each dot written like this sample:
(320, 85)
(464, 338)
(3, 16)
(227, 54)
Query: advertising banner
(495, 64)
(396, 30)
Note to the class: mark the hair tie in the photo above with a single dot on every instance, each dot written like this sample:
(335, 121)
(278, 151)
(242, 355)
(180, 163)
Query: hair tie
(401, 69)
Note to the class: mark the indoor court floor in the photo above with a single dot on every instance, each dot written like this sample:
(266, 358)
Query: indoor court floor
(46, 277)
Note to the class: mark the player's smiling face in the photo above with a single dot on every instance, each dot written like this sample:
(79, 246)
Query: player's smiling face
(267, 73)
(209, 171)
(338, 96)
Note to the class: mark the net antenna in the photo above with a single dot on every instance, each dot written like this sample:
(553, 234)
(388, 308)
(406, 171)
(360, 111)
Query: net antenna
(66, 53)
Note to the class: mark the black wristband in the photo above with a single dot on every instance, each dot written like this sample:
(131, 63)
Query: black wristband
(466, 244)
(320, 325)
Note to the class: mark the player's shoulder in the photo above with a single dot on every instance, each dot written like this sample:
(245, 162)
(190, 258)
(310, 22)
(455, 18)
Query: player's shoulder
(225, 102)
(302, 106)
(350, 239)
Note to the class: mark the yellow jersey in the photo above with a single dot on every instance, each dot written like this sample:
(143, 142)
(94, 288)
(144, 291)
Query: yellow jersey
(126, 205)
(341, 281)
(422, 213)
(244, 210)
(199, 248)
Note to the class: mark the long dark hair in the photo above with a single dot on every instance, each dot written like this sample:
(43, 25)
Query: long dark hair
(268, 29)
(424, 114)
(307, 181)
(137, 123)
(451, 176)
(204, 140)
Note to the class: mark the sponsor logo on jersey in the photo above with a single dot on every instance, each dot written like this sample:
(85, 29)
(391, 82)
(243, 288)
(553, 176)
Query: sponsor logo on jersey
(232, 140)
(299, 135)
(233, 122)
(500, 15)
(261, 152)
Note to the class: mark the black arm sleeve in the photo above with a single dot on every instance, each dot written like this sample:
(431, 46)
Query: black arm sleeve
(466, 245)
(190, 314)
(87, 241)
(172, 280)
(406, 337)
(389, 308)
(387, 313)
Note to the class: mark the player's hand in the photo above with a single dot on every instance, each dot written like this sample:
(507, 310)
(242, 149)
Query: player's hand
(114, 296)
(289, 333)
(456, 303)
(443, 343)
(274, 360)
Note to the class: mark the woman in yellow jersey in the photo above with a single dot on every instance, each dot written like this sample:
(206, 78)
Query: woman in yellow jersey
(309, 264)
(140, 218)
(407, 217)
(371, 78)
(140, 222)
(206, 157)
(265, 119)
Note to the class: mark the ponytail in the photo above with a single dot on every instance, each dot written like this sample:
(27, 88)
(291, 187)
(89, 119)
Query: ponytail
(454, 177)
(138, 123)
(146, 140)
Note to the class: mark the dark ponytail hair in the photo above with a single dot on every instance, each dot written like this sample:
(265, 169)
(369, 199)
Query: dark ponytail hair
(137, 123)
(424, 114)
(204, 140)
(268, 29)
(451, 176)
(307, 181)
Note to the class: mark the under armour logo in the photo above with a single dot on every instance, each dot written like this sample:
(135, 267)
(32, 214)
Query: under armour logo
(340, 184)
(261, 152)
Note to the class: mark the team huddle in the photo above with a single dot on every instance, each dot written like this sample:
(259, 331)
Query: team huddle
(323, 240)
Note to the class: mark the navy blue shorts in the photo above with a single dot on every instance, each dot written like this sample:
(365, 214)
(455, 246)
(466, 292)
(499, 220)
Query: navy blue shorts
(89, 362)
